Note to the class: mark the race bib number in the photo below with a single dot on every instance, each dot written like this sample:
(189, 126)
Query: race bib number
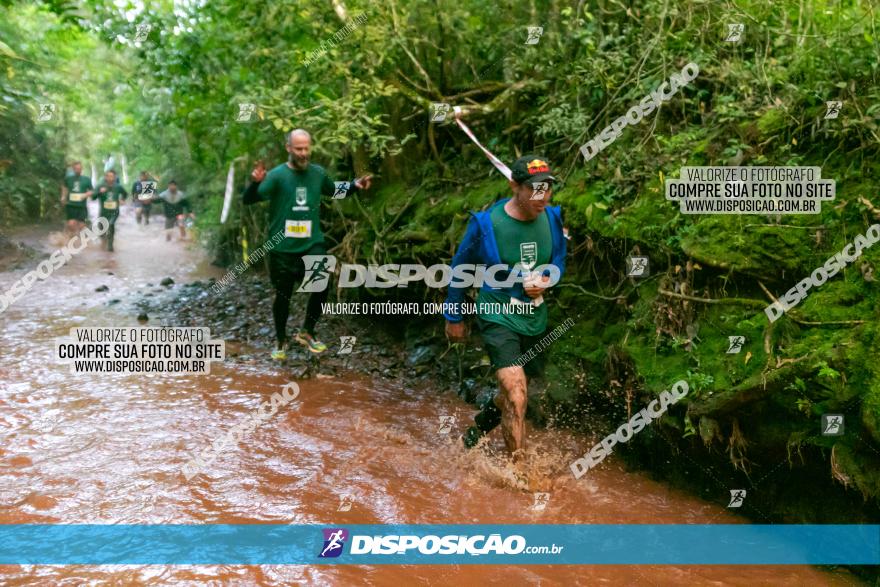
(298, 229)
(77, 197)
(111, 205)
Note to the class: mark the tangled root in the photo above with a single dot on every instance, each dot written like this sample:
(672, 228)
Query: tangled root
(736, 449)
(837, 471)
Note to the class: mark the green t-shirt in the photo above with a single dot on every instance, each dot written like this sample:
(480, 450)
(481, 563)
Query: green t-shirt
(111, 199)
(77, 186)
(294, 203)
(524, 244)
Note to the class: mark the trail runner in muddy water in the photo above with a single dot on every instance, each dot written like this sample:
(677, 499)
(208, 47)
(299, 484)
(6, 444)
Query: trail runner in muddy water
(293, 190)
(111, 194)
(75, 191)
(143, 191)
(177, 209)
(522, 232)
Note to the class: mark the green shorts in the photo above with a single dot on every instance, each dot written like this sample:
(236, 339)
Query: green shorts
(507, 348)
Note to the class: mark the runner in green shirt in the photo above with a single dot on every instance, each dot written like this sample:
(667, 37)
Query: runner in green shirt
(75, 191)
(524, 244)
(294, 190)
(111, 195)
(525, 234)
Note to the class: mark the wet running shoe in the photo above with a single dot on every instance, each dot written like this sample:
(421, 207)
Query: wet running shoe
(310, 342)
(279, 355)
(471, 437)
(487, 420)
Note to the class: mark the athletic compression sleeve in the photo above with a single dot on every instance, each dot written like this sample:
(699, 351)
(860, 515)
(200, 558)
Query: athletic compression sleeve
(252, 193)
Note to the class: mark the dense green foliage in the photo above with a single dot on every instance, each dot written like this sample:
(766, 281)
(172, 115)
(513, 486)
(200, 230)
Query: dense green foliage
(760, 101)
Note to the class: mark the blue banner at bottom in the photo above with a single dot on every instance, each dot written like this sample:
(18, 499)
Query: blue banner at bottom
(487, 544)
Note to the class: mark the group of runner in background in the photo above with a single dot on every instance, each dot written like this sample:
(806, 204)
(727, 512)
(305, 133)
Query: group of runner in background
(77, 189)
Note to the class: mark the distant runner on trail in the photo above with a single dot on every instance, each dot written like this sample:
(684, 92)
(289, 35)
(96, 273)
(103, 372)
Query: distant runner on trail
(75, 191)
(294, 190)
(177, 210)
(143, 192)
(111, 194)
(522, 232)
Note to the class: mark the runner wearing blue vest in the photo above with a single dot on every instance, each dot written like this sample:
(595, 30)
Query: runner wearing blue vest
(523, 233)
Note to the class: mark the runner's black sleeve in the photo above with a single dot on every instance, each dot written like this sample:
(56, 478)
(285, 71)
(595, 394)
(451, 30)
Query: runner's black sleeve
(251, 194)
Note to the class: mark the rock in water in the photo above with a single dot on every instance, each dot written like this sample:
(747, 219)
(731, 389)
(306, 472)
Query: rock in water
(142, 317)
(420, 356)
(102, 288)
(167, 282)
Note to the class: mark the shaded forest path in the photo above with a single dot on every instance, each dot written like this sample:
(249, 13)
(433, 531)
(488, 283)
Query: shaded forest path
(110, 449)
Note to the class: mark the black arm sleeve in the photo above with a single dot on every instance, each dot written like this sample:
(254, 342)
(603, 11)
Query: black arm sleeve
(250, 194)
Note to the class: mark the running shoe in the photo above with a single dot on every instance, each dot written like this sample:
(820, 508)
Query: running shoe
(472, 437)
(279, 355)
(310, 342)
(486, 420)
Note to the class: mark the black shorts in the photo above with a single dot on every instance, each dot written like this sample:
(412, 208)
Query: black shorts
(170, 221)
(288, 268)
(110, 215)
(507, 348)
(80, 213)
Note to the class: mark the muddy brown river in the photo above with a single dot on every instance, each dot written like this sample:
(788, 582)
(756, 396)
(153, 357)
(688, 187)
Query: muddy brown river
(109, 450)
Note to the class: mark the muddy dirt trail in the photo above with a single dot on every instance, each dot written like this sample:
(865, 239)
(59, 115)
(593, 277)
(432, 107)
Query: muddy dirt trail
(109, 449)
